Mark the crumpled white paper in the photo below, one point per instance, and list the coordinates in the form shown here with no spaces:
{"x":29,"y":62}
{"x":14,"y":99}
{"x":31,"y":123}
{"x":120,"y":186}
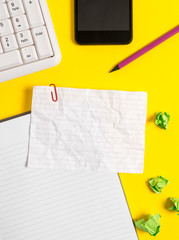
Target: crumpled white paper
{"x":96,"y":130}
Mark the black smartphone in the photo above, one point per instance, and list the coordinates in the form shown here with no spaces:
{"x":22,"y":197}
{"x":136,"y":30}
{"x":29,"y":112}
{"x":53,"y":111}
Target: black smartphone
{"x":103,"y":21}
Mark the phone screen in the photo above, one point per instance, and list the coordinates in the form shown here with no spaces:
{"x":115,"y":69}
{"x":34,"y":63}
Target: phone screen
{"x":103,"y":15}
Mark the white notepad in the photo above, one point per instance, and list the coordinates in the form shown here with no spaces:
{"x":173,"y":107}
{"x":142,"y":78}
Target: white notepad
{"x":52,"y":205}
{"x":96,"y":130}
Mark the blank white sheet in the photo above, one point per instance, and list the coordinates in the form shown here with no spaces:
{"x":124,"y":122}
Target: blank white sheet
{"x":56,"y":205}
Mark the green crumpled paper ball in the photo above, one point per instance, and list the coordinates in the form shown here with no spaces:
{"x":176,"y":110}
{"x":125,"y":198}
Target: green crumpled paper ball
{"x":151,"y":226}
{"x":162,"y":120}
{"x":157,"y":184}
{"x":175,"y":206}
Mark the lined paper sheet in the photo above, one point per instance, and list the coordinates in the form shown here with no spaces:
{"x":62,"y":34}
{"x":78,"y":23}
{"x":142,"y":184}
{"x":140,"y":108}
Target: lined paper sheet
{"x":42,"y":204}
{"x":96,"y":130}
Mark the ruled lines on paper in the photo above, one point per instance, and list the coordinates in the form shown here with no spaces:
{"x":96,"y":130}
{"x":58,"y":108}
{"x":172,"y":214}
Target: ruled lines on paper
{"x":88,"y":130}
{"x":54,"y":204}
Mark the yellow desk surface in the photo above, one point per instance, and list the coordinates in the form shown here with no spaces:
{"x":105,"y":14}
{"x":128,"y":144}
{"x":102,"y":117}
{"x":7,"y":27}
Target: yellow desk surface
{"x":157,"y":73}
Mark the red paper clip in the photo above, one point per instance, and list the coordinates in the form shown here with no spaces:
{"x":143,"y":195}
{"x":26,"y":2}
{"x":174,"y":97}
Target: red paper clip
{"x":56,"y":97}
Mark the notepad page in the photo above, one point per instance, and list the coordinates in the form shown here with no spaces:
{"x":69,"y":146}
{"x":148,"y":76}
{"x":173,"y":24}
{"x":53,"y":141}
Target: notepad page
{"x":42,"y":204}
{"x":93,"y":130}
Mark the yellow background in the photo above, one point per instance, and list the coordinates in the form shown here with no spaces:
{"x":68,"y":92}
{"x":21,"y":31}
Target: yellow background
{"x":157,"y":73}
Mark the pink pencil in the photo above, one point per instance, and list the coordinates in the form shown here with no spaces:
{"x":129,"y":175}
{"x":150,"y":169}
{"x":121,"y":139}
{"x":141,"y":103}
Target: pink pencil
{"x":146,"y":49}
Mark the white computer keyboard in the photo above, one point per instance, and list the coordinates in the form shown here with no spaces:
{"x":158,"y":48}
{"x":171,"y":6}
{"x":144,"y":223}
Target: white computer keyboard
{"x":27,"y":38}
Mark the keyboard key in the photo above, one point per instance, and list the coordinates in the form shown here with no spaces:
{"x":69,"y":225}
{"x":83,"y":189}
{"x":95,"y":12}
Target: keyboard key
{"x":9,"y":43}
{"x":1,"y":51}
{"x":3,"y":1}
{"x":3,"y":12}
{"x":6,"y":27}
{"x":10,"y":59}
{"x":29,"y":54}
{"x":34,"y":13}
{"x":15,"y":8}
{"x":20,"y":23}
{"x":42,"y":42}
{"x":24,"y":38}
{"x":18,"y":47}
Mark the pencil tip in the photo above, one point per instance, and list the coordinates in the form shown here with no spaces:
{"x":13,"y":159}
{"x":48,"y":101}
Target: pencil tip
{"x":115,"y":69}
